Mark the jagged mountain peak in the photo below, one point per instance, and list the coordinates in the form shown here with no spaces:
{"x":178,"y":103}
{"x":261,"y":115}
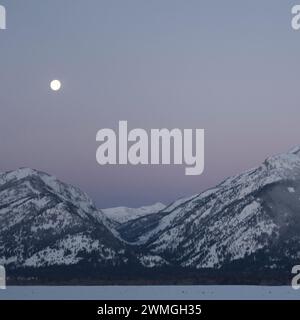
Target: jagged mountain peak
{"x":37,"y":184}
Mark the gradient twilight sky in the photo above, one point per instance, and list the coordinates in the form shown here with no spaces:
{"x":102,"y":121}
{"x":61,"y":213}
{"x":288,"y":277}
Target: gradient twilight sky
{"x":231,"y":67}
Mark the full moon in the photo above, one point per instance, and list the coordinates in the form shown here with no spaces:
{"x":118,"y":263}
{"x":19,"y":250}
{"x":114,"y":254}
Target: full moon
{"x":55,"y":85}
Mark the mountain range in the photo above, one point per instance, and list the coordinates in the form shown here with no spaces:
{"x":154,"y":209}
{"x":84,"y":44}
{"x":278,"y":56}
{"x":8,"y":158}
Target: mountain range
{"x":248,"y":225}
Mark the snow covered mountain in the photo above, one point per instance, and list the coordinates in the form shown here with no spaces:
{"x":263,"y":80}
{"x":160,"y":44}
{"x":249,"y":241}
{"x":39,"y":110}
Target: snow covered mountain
{"x":252,"y":219}
{"x":122,"y":215}
{"x":249,"y":222}
{"x":45,"y":222}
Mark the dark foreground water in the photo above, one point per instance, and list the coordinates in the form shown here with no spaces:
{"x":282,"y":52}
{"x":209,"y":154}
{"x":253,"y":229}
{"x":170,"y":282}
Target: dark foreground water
{"x":150,"y":293}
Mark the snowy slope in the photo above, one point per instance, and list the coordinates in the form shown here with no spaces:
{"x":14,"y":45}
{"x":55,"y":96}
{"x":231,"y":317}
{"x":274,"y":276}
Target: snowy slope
{"x":254,"y":214}
{"x":122,"y":214}
{"x":45,"y":222}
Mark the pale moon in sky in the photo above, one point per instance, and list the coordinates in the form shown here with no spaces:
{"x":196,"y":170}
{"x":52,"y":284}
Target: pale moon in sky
{"x":55,"y":85}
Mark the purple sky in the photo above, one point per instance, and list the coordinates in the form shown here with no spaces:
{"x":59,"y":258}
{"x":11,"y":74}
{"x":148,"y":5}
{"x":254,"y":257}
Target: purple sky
{"x":229,"y":67}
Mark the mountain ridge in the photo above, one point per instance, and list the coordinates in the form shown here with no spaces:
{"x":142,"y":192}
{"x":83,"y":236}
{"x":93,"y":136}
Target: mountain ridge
{"x":224,"y":210}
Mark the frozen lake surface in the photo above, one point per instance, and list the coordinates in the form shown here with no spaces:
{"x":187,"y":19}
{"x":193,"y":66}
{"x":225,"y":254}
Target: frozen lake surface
{"x":150,"y":293}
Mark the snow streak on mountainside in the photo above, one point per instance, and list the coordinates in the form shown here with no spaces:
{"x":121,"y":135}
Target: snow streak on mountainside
{"x":255,"y":215}
{"x":45,"y":222}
